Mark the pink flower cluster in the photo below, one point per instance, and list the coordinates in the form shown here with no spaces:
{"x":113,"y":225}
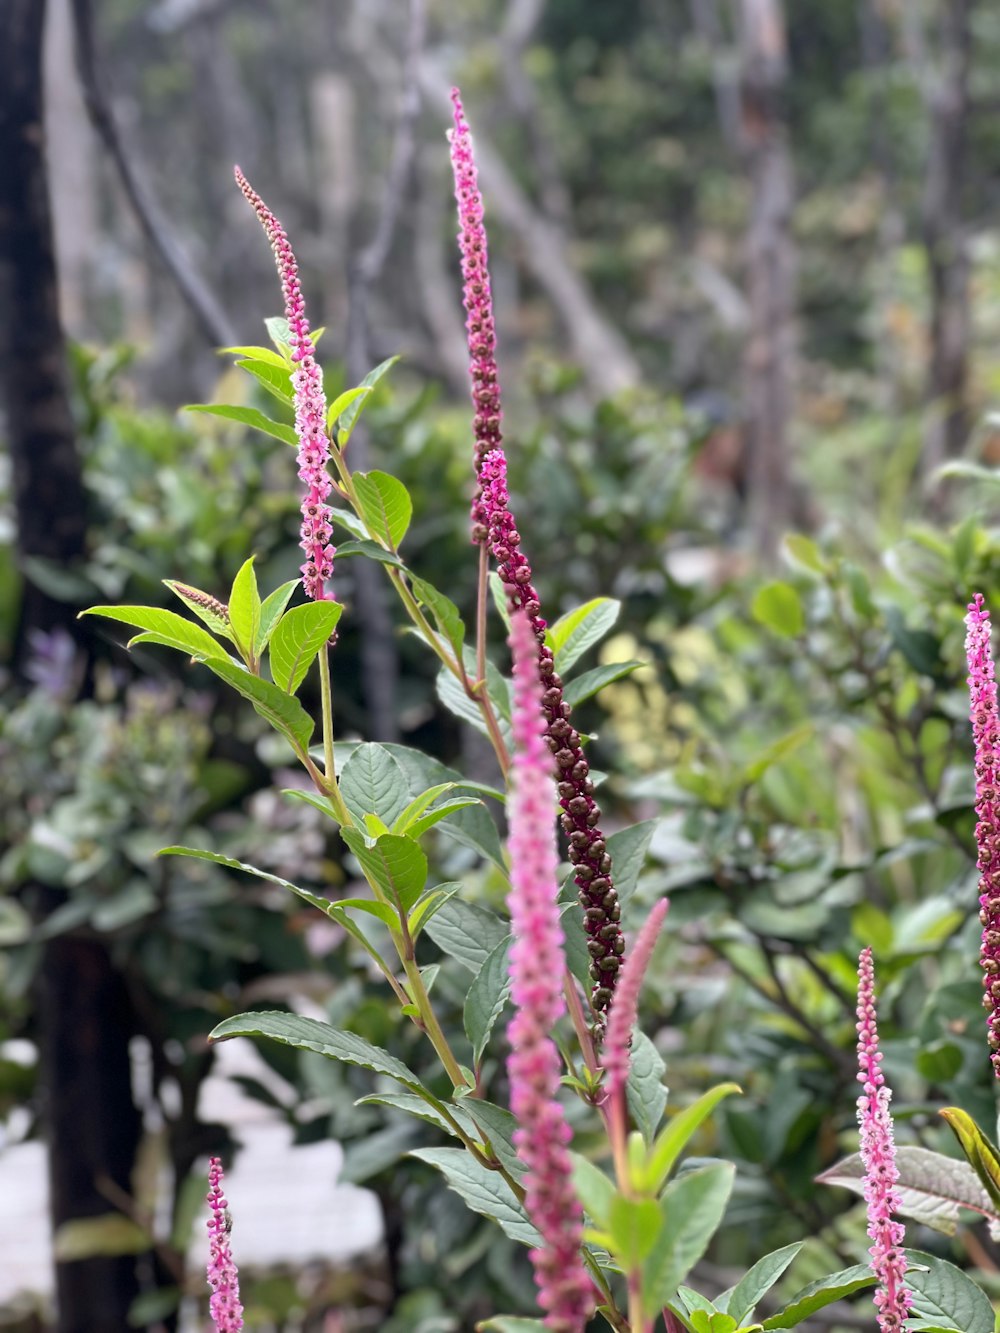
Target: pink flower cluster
{"x":310,"y":408}
{"x":224,"y":1305}
{"x":878,"y":1152}
{"x":478,"y":300}
{"x":986,"y":736}
{"x":537,"y":967}
{"x":616,"y":1054}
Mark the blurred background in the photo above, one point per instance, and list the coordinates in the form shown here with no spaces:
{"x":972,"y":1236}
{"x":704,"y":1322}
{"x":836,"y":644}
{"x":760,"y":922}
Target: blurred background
{"x":746,"y":265}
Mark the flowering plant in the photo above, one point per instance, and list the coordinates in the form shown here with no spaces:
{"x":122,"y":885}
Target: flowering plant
{"x":615,"y":1231}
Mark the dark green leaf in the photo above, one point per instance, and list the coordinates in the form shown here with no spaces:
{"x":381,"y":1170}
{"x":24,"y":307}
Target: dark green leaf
{"x":283,"y":711}
{"x":467,"y":932}
{"x":593,"y":681}
{"x":487,"y":996}
{"x":692,"y":1208}
{"x":297,"y":638}
{"x":824,"y":1291}
{"x":576,"y":631}
{"x":484,"y":1191}
{"x":373,"y":782}
{"x":945,"y":1298}
{"x":497,"y":1125}
{"x":759,"y":1280}
{"x":646,"y":1095}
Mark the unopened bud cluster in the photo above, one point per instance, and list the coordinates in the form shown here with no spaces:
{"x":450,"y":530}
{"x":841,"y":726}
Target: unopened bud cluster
{"x":986,"y":735}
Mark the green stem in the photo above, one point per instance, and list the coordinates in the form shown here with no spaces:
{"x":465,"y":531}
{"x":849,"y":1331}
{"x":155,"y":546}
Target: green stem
{"x":327,"y":781}
{"x":484,"y":574}
{"x":432,"y":1027}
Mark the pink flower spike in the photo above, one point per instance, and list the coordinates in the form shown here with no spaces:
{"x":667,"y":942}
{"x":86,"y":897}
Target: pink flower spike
{"x":625,"y":1006}
{"x":537,"y":967}
{"x":310,"y":408}
{"x":986,"y":736}
{"x":478,"y":300}
{"x":878,"y":1152}
{"x":224,"y":1305}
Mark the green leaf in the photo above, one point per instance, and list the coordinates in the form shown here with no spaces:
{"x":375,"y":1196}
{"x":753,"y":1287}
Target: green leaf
{"x":467,"y":932}
{"x":776,"y":751}
{"x":431,"y":901}
{"x":824,"y":1291}
{"x":257,"y":354}
{"x":487,"y":996}
{"x":320,"y":803}
{"x":497,"y":1126}
{"x":715,"y":1322}
{"x":281,"y":710}
{"x":372,"y":550}
{"x":691,"y":1208}
{"x":418,"y":805}
{"x":804,"y":551}
{"x":578,"y":958}
{"x":778,"y":607}
{"x":217,"y":623}
{"x":627,"y":849}
{"x":443,"y":811}
{"x":446,"y":615}
{"x":482,"y":1190}
{"x":963,"y":467}
{"x":452,"y":694}
{"x":244,"y":607}
{"x":341,"y":403}
{"x":674,"y":1137}
{"x":644,"y":1090}
{"x":593,"y":681}
{"x":576,"y":631}
{"x":276,"y":380}
{"x":759,"y":1280}
{"x":507,"y":1323}
{"x":381,"y":911}
{"x":218,"y":859}
{"x":168,"y":626}
{"x":280,"y":333}
{"x":633,"y":1228}
{"x":500,"y":598}
{"x":411,"y":1104}
{"x":385,"y":505}
{"x":348,"y":519}
{"x":932,"y":1188}
{"x":595,"y":1190}
{"x":108,"y":1235}
{"x":945,"y":1298}
{"x":271,"y":611}
{"x":373,"y":782}
{"x":248,"y":416}
{"x":309,"y":1034}
{"x":296,"y":640}
{"x":980,"y":1152}
{"x":395,"y":867}
{"x":349,"y":417}
{"x":473,"y":827}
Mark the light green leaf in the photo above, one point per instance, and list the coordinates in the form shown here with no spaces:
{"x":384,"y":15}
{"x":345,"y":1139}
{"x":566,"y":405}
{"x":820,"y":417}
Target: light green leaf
{"x":576,"y":631}
{"x":297,"y":638}
{"x":373,"y":782}
{"x":446,"y":615}
{"x":342,"y":402}
{"x":443,"y":811}
{"x":981,"y":1153}
{"x":381,"y":911}
{"x":824,"y":1291}
{"x":646,"y":1095}
{"x":281,"y":710}
{"x":778,"y":606}
{"x":627,"y":849}
{"x":277,"y":381}
{"x":218,"y":624}
{"x":168,"y":626}
{"x":280,"y":333}
{"x":271,"y":611}
{"x":244,"y":607}
{"x":267,"y":354}
{"x":218,"y":859}
{"x":508,"y":1323}
{"x":804,"y":551}
{"x":487,"y":996}
{"x":945,"y":1300}
{"x":633,"y":1228}
{"x":349,"y":417}
{"x":473,"y":827}
{"x":759,"y":1280}
{"x":482,"y":1190}
{"x":674,"y":1137}
{"x":467,"y":932}
{"x":965,"y":468}
{"x":372,"y":550}
{"x":418,"y":805}
{"x":595,"y":1190}
{"x":430,"y":901}
{"x":385,"y":505}
{"x":691,"y":1208}
{"x":320,"y":803}
{"x":500,"y":598}
{"x":395,"y":867}
{"x":348,"y":519}
{"x":108,"y":1235}
{"x":593,"y":681}
{"x":248,"y":416}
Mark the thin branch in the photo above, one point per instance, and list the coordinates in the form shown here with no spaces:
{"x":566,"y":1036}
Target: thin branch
{"x":208,"y":312}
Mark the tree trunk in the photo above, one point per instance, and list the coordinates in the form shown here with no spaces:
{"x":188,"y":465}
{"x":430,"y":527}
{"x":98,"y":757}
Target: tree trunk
{"x":90,"y":1120}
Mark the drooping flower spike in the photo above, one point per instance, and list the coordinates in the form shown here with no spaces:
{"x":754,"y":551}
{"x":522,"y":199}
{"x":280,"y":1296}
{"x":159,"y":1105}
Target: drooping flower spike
{"x":986,"y":736}
{"x":878,"y":1152}
{"x":478,"y":300}
{"x":537,"y":967}
{"x":581,"y":818}
{"x":310,"y":408}
{"x":616,"y":1054}
{"x":224,"y":1304}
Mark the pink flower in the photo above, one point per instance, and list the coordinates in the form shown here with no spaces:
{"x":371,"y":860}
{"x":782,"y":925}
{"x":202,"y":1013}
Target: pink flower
{"x":878,"y":1152}
{"x":986,"y":735}
{"x":581,"y":816}
{"x":625,"y":1007}
{"x":310,"y":408}
{"x":537,"y":967}
{"x":224,"y":1305}
{"x":478,"y":300}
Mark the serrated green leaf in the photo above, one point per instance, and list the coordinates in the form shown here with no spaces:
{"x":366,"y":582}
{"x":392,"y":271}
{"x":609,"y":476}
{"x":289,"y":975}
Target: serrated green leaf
{"x":271,"y":610}
{"x":592,"y":682}
{"x":484,"y":1191}
{"x":385,"y":505}
{"x":759,"y":1280}
{"x":349,"y":417}
{"x":373,"y":782}
{"x":646,"y":1095}
{"x":487,"y":996}
{"x":691,"y":1209}
{"x":824,"y":1291}
{"x":217,"y":858}
{"x":276,"y":380}
{"x":395,"y":867}
{"x":674,"y":1137}
{"x":446,"y":614}
{"x":296,"y":640}
{"x":945,"y":1298}
{"x":244,"y":607}
{"x":183,"y":634}
{"x":467,"y":932}
{"x":578,"y":630}
{"x":247,"y":416}
{"x":342,"y":402}
{"x":217,"y":623}
{"x":283,"y":711}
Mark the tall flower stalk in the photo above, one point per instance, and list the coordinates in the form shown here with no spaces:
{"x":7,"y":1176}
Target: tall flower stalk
{"x":310,"y":408}
{"x":986,"y":736}
{"x":878,"y":1152}
{"x":224,"y":1304}
{"x":537,"y":965}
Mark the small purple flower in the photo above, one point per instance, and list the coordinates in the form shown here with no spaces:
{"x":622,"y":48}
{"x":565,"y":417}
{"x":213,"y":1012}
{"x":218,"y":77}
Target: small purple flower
{"x":224,"y":1305}
{"x":537,"y":967}
{"x":581,"y":816}
{"x":616,"y":1054}
{"x":986,"y":735}
{"x":478,"y":300}
{"x":878,"y":1152}
{"x":310,"y":408}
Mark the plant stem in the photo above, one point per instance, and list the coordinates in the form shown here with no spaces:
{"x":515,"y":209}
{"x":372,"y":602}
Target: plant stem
{"x":484,"y":574}
{"x":432,"y":1027}
{"x":328,"y":785}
